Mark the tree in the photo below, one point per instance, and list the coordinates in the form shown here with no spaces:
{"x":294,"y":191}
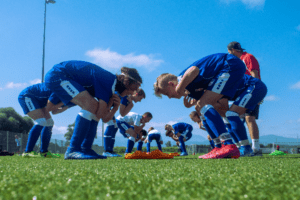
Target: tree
{"x":10,"y":120}
{"x":68,"y":135}
{"x":168,"y":144}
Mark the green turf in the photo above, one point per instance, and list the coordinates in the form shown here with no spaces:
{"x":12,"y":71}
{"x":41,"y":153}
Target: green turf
{"x":266,"y":177}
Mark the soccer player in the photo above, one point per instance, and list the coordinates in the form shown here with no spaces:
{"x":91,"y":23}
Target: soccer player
{"x":253,"y":70}
{"x":68,"y":81}
{"x":218,"y":75}
{"x":182,"y":131}
{"x":37,"y":101}
{"x":112,"y":128}
{"x":251,"y":91}
{"x":153,"y":134}
{"x":130,"y":125}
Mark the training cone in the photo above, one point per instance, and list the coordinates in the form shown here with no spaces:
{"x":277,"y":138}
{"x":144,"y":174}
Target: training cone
{"x":277,"y":153}
{"x":157,"y":154}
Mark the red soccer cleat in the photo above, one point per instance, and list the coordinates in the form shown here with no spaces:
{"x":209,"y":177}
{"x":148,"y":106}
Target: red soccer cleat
{"x":227,"y":151}
{"x":211,"y":152}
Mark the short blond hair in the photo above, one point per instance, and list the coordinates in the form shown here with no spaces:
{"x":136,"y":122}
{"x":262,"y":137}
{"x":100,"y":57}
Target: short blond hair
{"x":193,"y":114}
{"x":162,"y":82}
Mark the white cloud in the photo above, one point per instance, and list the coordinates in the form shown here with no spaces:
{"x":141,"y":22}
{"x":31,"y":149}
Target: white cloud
{"x":111,"y":59}
{"x":12,"y":85}
{"x":296,"y":85}
{"x":35,"y":81}
{"x":249,"y":3}
{"x":271,"y":98}
{"x":298,"y":28}
{"x":60,"y":129}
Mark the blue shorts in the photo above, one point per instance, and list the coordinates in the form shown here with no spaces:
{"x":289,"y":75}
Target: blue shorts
{"x":156,"y":137}
{"x":30,"y":102}
{"x":123,"y":127}
{"x":62,"y":85}
{"x":251,"y":96}
{"x":225,"y":82}
{"x":187,"y":134}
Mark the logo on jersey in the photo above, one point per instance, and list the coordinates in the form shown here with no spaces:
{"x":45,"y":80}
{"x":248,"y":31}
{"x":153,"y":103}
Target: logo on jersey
{"x":221,"y":82}
{"x":29,"y":104}
{"x":69,"y":88}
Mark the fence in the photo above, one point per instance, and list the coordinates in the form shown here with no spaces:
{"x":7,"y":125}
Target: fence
{"x":194,"y":148}
{"x":8,"y":143}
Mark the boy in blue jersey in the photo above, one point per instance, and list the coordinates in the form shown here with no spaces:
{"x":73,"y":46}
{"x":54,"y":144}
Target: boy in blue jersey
{"x":153,"y":134}
{"x":182,"y":131}
{"x":218,"y":75}
{"x":251,"y":91}
{"x":112,"y":128}
{"x":37,"y":101}
{"x":132,"y":124}
{"x":68,"y":80}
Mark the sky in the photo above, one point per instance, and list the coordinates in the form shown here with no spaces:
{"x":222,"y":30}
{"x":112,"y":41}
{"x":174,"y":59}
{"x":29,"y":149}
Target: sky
{"x":154,"y":37}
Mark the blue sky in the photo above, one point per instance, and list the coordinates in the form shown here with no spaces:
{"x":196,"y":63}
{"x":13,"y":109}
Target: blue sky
{"x":154,"y":37}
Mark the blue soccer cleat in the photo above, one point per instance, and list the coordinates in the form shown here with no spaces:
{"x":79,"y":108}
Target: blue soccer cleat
{"x":184,"y":154}
{"x":72,"y":154}
{"x":115,"y":154}
{"x":246,"y":151}
{"x":92,"y":152}
{"x":107,"y":154}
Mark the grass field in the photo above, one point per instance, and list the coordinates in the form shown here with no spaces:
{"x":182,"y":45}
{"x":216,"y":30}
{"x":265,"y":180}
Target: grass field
{"x":185,"y":178}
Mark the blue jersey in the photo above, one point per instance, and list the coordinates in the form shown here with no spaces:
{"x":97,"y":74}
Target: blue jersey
{"x":209,"y":67}
{"x":124,"y":101}
{"x":246,"y":82}
{"x":181,"y":127}
{"x":96,"y":80}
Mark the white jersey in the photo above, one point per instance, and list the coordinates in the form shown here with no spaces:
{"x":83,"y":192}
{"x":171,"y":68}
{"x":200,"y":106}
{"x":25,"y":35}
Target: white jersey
{"x":131,"y":118}
{"x":155,"y":132}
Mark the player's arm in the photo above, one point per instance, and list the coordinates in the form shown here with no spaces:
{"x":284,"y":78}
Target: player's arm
{"x":187,"y":78}
{"x":189,"y":102}
{"x":104,"y":112}
{"x":59,"y":110}
{"x":52,"y":107}
{"x":124,"y":110}
{"x":254,"y":73}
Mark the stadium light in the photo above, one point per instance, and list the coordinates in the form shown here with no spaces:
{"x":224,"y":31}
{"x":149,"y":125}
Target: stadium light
{"x":43,"y":66}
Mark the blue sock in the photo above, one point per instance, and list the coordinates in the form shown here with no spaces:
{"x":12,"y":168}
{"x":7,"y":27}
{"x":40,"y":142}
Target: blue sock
{"x":107,"y":138}
{"x":159,"y":145}
{"x":148,"y":147}
{"x":237,"y":125}
{"x":228,"y":126}
{"x":214,"y":120}
{"x":210,"y":132}
{"x":130,"y":144}
{"x":82,"y":124}
{"x":113,"y":136}
{"x":33,"y":137}
{"x":182,"y":144}
{"x":90,"y":136}
{"x":140,"y":146}
{"x":212,"y":144}
{"x":45,"y":138}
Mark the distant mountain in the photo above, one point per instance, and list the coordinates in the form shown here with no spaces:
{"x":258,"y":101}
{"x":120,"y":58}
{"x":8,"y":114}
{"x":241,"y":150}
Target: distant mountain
{"x":266,"y":139}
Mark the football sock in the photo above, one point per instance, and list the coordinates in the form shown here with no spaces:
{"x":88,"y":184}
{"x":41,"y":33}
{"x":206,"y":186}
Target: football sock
{"x":33,"y":137}
{"x":228,"y":127}
{"x":182,"y":144}
{"x":91,"y":134}
{"x":237,"y":126}
{"x":113,"y":136}
{"x":148,"y":146}
{"x":255,"y":144}
{"x":130,"y":144}
{"x":139,"y":146}
{"x":82,"y":124}
{"x":212,"y":144}
{"x":107,"y":138}
{"x":159,"y":145}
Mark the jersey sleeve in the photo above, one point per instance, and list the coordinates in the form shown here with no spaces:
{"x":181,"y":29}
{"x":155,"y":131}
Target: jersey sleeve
{"x":124,"y":101}
{"x":137,"y":120}
{"x":175,"y":127}
{"x":251,"y":63}
{"x":54,"y":99}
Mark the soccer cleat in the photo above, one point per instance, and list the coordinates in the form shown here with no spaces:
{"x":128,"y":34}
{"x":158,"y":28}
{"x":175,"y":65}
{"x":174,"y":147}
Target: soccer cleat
{"x":115,"y":154}
{"x":184,"y":154}
{"x":257,"y":152}
{"x":31,"y":154}
{"x":211,"y":152}
{"x":92,"y":153}
{"x":246,"y":151}
{"x":72,"y":154}
{"x":45,"y":154}
{"x":107,"y":154}
{"x":226,"y":151}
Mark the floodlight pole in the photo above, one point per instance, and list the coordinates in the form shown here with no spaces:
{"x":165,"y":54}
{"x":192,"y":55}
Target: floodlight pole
{"x":43,"y":65}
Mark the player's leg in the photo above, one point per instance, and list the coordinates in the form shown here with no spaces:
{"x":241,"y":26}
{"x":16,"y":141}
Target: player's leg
{"x":46,"y":133}
{"x":250,"y":119}
{"x":158,"y":140}
{"x":150,"y":138}
{"x":68,"y":90}
{"x":140,"y":146}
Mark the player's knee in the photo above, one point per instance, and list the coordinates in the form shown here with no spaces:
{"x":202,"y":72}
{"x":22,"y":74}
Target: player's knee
{"x":205,"y":108}
{"x":41,"y":122}
{"x":232,"y":114}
